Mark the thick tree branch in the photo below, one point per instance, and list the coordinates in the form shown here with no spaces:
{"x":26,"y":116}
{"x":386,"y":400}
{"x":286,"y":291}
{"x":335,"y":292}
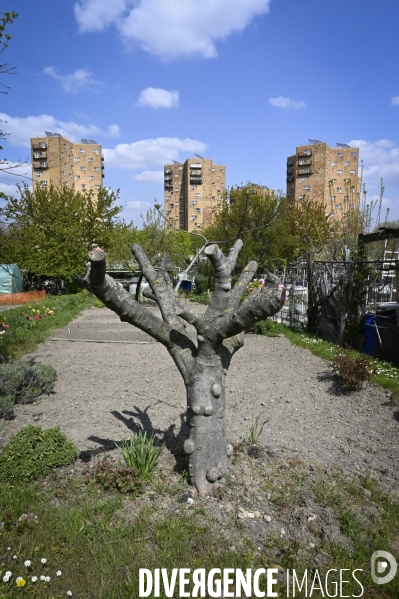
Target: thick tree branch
{"x":114,"y":296}
{"x":223,"y":267}
{"x":162,"y":291}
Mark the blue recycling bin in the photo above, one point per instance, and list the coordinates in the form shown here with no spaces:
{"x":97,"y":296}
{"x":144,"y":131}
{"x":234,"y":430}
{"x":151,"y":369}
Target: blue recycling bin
{"x":370,"y":344}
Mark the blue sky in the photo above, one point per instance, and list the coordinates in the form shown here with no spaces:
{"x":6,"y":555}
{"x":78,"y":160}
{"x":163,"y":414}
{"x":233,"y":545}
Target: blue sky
{"x":240,"y":81}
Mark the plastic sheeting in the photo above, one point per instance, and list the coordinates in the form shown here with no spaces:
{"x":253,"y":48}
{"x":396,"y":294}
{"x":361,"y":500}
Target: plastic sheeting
{"x":10,"y":278}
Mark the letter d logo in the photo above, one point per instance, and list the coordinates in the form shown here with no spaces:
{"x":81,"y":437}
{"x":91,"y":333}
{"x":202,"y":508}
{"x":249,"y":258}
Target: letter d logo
{"x":382,"y":566}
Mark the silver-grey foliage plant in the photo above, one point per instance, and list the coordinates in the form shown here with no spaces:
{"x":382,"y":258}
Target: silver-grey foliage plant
{"x":203,"y":365}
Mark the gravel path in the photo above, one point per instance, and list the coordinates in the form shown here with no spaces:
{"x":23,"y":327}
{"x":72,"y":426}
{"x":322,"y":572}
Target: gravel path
{"x":106,"y":388}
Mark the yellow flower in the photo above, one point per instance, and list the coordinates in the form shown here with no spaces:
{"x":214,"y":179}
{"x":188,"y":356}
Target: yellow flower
{"x":20,"y":582}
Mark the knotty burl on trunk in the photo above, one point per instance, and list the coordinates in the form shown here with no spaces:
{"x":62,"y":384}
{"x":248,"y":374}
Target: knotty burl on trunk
{"x":220,"y":333}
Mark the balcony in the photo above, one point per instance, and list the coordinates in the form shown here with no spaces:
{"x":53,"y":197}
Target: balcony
{"x":168,"y":171}
{"x":40,"y":165}
{"x":195,"y":165}
{"x":38,"y":155}
{"x":290,"y":162}
{"x":195,"y":181}
{"x":305,"y":171}
{"x":305,"y":153}
{"x":40,"y":146}
{"x":168,"y":178}
{"x":102,"y":158}
{"x":289,"y":171}
{"x":168,"y":185}
{"x":304,"y":162}
{"x":289,"y":179}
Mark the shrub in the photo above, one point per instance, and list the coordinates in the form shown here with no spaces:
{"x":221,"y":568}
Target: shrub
{"x":354,"y":371}
{"x":267,"y":327}
{"x":141,"y":454}
{"x":33,"y":452}
{"x":201,"y":284}
{"x":114,"y":477}
{"x":21,"y":382}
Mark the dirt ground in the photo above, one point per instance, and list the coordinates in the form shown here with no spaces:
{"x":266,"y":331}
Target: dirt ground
{"x":112,"y":379}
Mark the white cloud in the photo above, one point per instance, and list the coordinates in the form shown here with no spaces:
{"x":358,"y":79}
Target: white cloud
{"x":156,"y":176}
{"x":113,"y":131}
{"x":23,"y":128}
{"x":167,"y":28}
{"x":137,"y":204}
{"x":380,"y":160}
{"x":156,"y":97}
{"x":395,"y":101}
{"x":150,"y":152}
{"x":79,"y":80}
{"x":287,"y":103}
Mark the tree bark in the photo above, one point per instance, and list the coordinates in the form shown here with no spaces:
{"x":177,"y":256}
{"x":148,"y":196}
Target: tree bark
{"x":203,"y":366}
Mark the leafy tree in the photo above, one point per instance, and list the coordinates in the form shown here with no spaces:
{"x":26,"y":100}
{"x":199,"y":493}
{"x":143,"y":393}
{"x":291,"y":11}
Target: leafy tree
{"x":154,"y":239}
{"x":50,"y":231}
{"x":257,"y":216}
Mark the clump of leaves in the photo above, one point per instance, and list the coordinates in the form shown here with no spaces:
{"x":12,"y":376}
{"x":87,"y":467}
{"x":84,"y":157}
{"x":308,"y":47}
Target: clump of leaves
{"x":34,"y":452}
{"x":255,"y":429}
{"x":142,"y":454}
{"x":354,"y":371}
{"x":268,"y":327}
{"x":115,"y":477}
{"x":21,"y":382}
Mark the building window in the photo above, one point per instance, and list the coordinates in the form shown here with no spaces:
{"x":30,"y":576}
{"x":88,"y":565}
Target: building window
{"x":91,"y":177}
{"x":218,"y":177}
{"x":95,"y":151}
{"x":44,"y":183}
{"x":353,"y":154}
{"x":213,"y":183}
{"x":76,"y":159}
{"x":90,"y":159}
{"x":306,"y":187}
{"x":39,"y":173}
{"x":347,"y":180}
{"x":167,"y":198}
{"x":82,"y":151}
{"x":213,"y":170}
{"x":77,"y":177}
{"x":97,"y":168}
{"x":333,"y":197}
{"x":334,"y":180}
{"x":301,"y":179}
{"x":300,"y":197}
{"x":339,"y":172}
{"x":339,"y":206}
{"x":62,"y":154}
{"x":97,"y":186}
{"x":340,"y":154}
{"x":193,"y":202}
{"x":194,"y":217}
{"x":351,"y":206}
{"x":352,"y":172}
{"x":197,"y":195}
{"x":334,"y":163}
{"x":346,"y":198}
{"x":62,"y":174}
{"x":222,"y":185}
{"x":198,"y":209}
{"x":339,"y":189}
{"x":83,"y":186}
{"x":82,"y":168}
{"x":176,"y":176}
{"x":222,"y":170}
{"x":347,"y":162}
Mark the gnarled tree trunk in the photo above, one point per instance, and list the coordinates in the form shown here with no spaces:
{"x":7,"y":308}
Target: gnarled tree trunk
{"x":220,"y":333}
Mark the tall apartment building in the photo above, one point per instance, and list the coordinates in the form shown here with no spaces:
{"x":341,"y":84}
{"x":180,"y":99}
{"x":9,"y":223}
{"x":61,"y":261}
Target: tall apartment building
{"x":59,"y":162}
{"x":193,"y":193}
{"x":330,"y":175}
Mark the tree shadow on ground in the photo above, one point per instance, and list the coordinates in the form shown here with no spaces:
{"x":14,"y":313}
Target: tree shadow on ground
{"x":139,"y":420}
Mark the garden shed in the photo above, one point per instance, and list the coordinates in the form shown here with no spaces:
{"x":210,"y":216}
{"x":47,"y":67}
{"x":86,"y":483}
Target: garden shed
{"x":10,"y":278}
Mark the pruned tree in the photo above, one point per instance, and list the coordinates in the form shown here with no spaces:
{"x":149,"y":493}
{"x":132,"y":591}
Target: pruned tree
{"x":202,"y":365}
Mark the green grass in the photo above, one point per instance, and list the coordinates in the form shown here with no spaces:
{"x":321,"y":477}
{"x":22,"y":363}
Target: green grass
{"x":387,"y":375}
{"x":22,"y":335}
{"x":99,"y":540}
